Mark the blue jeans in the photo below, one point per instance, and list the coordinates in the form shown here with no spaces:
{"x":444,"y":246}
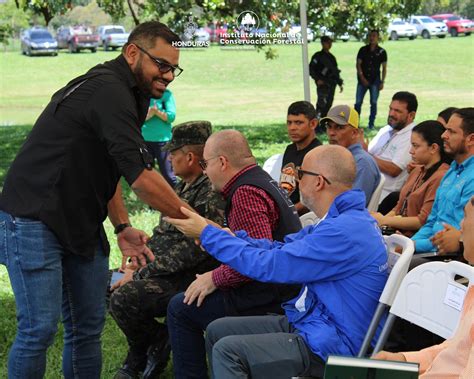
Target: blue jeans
{"x":46,"y":282}
{"x":186,"y":325}
{"x":155,"y":148}
{"x":374,"y":96}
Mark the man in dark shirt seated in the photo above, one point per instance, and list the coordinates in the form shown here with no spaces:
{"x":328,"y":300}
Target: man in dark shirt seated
{"x":341,"y":263}
{"x":255,"y":204}
{"x":301,"y":123}
{"x":143,"y":294}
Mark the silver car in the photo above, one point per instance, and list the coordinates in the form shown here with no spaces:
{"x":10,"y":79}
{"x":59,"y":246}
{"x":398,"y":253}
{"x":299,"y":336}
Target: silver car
{"x":427,"y":27}
{"x":399,"y":28}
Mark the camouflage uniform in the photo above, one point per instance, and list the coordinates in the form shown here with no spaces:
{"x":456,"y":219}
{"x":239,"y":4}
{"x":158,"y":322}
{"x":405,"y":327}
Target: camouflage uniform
{"x":135,"y":305}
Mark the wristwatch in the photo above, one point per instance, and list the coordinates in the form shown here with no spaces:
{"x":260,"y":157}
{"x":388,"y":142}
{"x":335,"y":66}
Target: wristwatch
{"x":120,"y":227}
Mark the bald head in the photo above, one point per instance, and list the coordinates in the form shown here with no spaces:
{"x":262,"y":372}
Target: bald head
{"x":334,"y":162}
{"x":233,"y":145}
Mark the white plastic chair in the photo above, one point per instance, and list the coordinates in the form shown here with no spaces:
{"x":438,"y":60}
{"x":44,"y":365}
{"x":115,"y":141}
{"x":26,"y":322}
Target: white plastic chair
{"x":423,"y":299}
{"x":398,"y":265}
{"x":375,"y":199}
{"x":273,"y":166}
{"x":309,"y":218}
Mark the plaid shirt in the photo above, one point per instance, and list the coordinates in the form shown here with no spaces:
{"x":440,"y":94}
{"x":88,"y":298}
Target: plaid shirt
{"x":252,"y":210}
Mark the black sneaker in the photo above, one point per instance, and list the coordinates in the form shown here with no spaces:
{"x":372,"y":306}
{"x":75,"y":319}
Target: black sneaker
{"x":158,"y":356}
{"x":132,"y":367}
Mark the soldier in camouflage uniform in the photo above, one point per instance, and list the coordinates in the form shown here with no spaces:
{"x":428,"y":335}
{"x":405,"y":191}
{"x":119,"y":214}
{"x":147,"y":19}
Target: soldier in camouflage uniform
{"x":144,"y":294}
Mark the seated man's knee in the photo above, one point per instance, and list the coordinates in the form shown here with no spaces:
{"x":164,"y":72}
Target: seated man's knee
{"x":226,"y":347}
{"x":124,"y":298}
{"x":176,"y":305}
{"x":216,"y":330}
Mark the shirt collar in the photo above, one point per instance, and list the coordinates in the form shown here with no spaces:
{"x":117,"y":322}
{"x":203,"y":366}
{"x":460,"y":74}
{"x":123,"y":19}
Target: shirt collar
{"x":120,"y":65}
{"x":459,"y":167}
{"x":226,"y":189}
{"x":355,"y":146}
{"x":406,"y":129}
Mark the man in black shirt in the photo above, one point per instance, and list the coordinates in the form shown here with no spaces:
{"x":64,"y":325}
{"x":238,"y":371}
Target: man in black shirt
{"x":323,"y":69}
{"x":369,"y":60}
{"x":301,"y":123}
{"x":60,"y":188}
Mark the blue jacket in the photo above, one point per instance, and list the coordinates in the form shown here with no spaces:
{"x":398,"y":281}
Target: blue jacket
{"x":341,"y":262}
{"x":454,"y":191}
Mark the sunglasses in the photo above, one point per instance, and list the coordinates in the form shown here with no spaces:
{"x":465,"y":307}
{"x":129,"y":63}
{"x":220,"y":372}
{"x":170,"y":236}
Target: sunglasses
{"x":300,"y":173}
{"x":203,"y":162}
{"x":164,"y":67}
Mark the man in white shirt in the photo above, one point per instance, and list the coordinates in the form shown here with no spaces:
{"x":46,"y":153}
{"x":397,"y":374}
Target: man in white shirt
{"x":390,"y":147}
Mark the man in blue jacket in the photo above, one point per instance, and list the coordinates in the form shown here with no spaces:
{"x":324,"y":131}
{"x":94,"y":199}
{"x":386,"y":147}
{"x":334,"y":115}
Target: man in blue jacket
{"x":341,"y":263}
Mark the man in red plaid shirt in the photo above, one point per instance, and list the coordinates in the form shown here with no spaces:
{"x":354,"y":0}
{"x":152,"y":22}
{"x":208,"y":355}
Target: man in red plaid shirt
{"x":256,"y":204}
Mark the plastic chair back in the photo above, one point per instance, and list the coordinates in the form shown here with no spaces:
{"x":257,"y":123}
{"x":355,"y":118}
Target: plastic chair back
{"x":430,"y":297}
{"x":375,"y":199}
{"x":309,"y":218}
{"x":273,"y":166}
{"x":398,"y":265}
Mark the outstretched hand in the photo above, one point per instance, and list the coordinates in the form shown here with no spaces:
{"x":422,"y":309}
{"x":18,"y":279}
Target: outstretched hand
{"x":192,"y":226}
{"x":132,"y":244}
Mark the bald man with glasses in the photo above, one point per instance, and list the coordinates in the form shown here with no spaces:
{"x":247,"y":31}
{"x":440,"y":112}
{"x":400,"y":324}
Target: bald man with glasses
{"x":340,"y":263}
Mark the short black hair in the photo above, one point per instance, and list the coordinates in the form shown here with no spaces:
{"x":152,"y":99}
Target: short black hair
{"x":408,"y":98}
{"x":302,"y":107}
{"x":445,"y":114}
{"x":375,"y":31}
{"x":326,"y":39}
{"x":467,"y":116}
{"x":145,"y":34}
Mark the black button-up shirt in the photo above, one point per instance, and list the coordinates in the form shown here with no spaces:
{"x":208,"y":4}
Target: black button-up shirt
{"x":371,"y":62}
{"x":87,"y":137}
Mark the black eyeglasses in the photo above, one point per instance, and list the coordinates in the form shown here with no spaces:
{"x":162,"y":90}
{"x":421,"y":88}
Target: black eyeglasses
{"x":203,"y":162}
{"x":164,"y":67}
{"x":301,"y":172}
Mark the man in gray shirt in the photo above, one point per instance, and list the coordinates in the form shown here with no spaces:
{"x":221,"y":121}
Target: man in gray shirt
{"x":342,"y":126}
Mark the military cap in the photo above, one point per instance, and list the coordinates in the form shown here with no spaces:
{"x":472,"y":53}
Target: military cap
{"x":189,"y":133}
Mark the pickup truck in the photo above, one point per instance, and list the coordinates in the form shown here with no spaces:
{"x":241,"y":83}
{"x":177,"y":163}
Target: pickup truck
{"x":112,"y":36}
{"x":455,"y":24}
{"x":77,"y":38}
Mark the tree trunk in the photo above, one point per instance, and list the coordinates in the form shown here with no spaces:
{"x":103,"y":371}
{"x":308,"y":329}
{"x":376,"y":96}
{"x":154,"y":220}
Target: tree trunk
{"x":45,"y":11}
{"x":132,"y":11}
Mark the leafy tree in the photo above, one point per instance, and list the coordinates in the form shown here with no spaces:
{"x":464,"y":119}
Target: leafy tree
{"x":12,"y":20}
{"x":89,"y":14}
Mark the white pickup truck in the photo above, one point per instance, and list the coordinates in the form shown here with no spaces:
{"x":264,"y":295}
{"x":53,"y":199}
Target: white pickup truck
{"x":112,"y":36}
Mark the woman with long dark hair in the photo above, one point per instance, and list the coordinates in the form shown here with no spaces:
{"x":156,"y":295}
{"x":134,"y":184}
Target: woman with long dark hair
{"x":418,"y":193}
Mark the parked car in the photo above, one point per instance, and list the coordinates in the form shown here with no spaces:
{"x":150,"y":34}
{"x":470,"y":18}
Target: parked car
{"x":323,"y":31}
{"x":428,"y":27}
{"x":77,"y":38}
{"x":399,"y":28}
{"x":112,"y":36}
{"x":38,"y":41}
{"x":455,"y":24}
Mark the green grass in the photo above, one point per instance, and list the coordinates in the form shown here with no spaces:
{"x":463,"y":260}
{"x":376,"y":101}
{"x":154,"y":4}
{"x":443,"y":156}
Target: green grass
{"x":233,"y":89}
{"x":241,"y":87}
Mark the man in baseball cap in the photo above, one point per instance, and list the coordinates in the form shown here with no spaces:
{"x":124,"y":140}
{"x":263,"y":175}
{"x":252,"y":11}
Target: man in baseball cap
{"x":342,"y":128}
{"x":142,"y":295}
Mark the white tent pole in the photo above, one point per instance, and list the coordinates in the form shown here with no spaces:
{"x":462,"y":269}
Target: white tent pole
{"x":304,"y":46}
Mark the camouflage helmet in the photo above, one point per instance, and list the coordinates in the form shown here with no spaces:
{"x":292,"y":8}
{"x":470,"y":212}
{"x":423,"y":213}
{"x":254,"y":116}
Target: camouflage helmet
{"x":189,"y":133}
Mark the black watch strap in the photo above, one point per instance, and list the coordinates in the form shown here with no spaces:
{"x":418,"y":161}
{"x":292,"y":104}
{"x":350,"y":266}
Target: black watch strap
{"x":120,"y":227}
